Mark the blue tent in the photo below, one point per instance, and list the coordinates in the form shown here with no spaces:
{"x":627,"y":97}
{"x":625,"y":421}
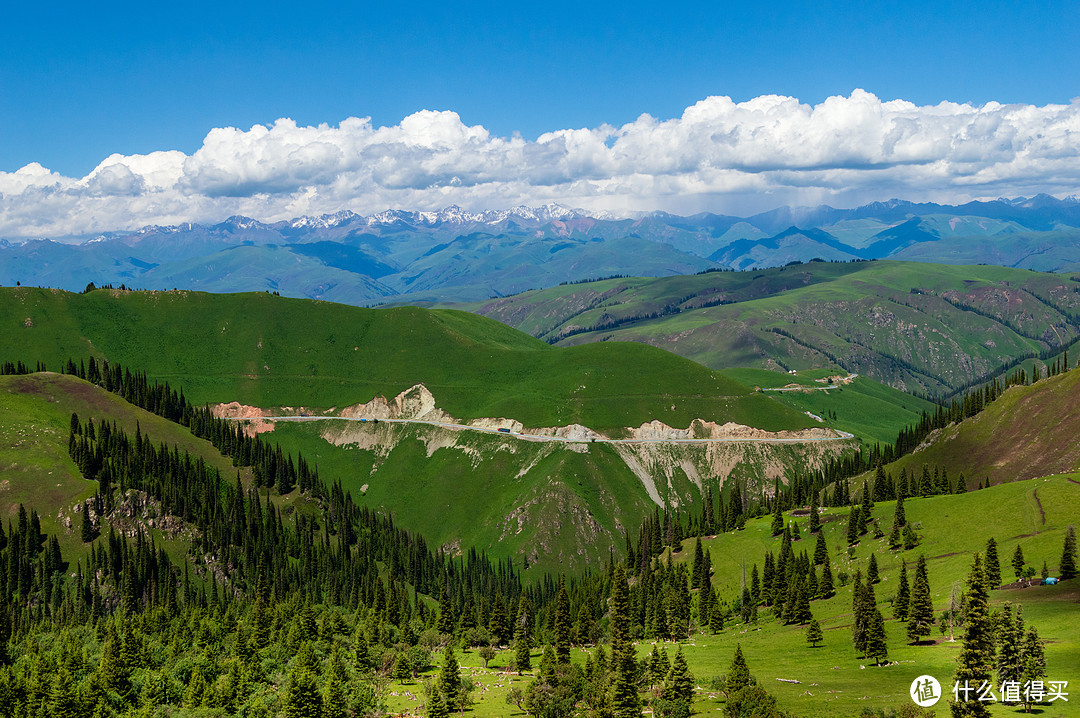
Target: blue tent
{"x":1049,"y":581}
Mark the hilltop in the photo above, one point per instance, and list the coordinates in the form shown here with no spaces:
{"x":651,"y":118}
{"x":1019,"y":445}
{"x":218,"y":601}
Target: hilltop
{"x":271,"y":351}
{"x":921,"y":328}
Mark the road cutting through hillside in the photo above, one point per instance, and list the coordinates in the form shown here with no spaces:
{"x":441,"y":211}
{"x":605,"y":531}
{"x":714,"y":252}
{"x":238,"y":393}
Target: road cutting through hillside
{"x":562,"y":439}
{"x":843,"y":380}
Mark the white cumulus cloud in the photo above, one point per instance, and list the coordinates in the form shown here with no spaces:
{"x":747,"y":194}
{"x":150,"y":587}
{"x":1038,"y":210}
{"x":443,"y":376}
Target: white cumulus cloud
{"x":718,"y":155}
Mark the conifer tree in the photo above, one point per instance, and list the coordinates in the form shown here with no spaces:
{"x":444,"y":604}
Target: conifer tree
{"x":87,"y":531}
{"x":699,"y":560}
{"x":815,"y":517}
{"x":1033,"y":660}
{"x":903,"y":594}
{"x":860,"y":609}
{"x":562,"y":623}
{"x":910,"y":539}
{"x":814,"y":634}
{"x":1068,"y":555}
{"x":499,"y":624}
{"x":895,"y":540}
{"x":1009,"y":638}
{"x":876,"y":646}
{"x":402,"y":671}
{"x":821,"y":551}
{"x":679,"y":685}
{"x":1018,"y":562}
{"x":63,"y":698}
{"x":716,"y":620}
{"x":449,"y":680}
{"x":778,"y":517}
{"x":853,"y":526}
{"x":920,"y":617}
{"x":825,"y":585}
{"x":625,"y":701}
{"x":522,"y":637}
{"x":335,"y":698}
{"x":436,"y":707}
{"x":872,"y":570}
{"x":114,"y":667}
{"x":974,"y":665}
{"x":302,"y":698}
{"x":738,"y":675}
{"x":993,"y":567}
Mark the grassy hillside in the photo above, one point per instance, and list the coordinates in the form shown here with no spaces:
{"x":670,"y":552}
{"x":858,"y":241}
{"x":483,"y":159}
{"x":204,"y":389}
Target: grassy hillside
{"x":834,"y":682}
{"x":549,"y":506}
{"x":917,"y":327}
{"x":1029,"y":431}
{"x":271,"y":351}
{"x":35,"y":469}
{"x":870,"y":410}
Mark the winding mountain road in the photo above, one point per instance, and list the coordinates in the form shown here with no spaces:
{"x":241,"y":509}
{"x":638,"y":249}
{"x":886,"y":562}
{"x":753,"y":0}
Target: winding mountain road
{"x":563,"y":439}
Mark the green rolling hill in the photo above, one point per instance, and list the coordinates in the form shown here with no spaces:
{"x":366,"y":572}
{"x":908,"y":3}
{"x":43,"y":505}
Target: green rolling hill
{"x":1029,"y":431}
{"x":551,"y":505}
{"x":270,"y":351}
{"x":921,"y":328}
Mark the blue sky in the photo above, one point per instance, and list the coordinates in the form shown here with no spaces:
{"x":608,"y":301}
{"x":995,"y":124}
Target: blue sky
{"x":82,"y":82}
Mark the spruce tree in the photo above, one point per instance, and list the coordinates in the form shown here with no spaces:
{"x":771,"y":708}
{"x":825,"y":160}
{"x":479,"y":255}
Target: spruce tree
{"x":815,"y":517}
{"x":993,"y":567}
{"x":335,"y":697}
{"x":1009,"y":638}
{"x":699,"y":561}
{"x":910,"y":539}
{"x":679,"y":685}
{"x":1032,"y":659}
{"x":1068,"y":555}
{"x":738,"y":675}
{"x":872,"y":570}
{"x":1018,"y":562}
{"x":853,"y":526}
{"x":821,"y":551}
{"x":974,"y":665}
{"x":402,"y":672}
{"x":777,"y":518}
{"x":449,"y":680}
{"x":825,"y":585}
{"x":876,"y":646}
{"x":903,"y":595}
{"x":436,"y":707}
{"x":860,"y":610}
{"x":562,"y":623}
{"x":920,"y":617}
{"x":302,"y":698}
{"x":625,"y":701}
{"x":87,"y":531}
{"x":814,"y":634}
{"x":499,"y":624}
{"x":522,"y":637}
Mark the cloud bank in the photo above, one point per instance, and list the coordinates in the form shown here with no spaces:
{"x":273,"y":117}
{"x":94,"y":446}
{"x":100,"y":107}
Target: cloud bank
{"x":719,"y":155}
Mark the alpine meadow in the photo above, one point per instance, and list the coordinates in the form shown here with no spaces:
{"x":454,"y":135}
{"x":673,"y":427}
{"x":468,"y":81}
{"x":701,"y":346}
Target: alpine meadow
{"x":539,"y":361}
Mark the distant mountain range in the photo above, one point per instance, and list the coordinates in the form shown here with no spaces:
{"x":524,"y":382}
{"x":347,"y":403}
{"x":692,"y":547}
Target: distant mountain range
{"x":456,"y":255}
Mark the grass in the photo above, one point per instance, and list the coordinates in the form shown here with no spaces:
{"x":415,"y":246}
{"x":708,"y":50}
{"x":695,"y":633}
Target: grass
{"x":271,"y":351}
{"x":35,"y":416}
{"x":869,"y":409}
{"x":1029,"y":431}
{"x":834,"y":680}
{"x":902,"y":323}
